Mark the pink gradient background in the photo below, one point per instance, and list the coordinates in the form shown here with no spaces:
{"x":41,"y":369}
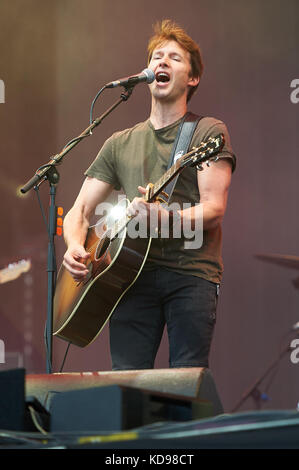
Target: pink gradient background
{"x":54,"y":57}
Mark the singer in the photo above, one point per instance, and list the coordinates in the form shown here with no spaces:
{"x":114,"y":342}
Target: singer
{"x":178,"y":286}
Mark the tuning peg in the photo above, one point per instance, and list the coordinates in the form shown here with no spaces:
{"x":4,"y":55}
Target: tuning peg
{"x":199,"y":167}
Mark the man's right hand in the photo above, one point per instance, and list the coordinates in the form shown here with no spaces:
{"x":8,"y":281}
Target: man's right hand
{"x":74,"y":260}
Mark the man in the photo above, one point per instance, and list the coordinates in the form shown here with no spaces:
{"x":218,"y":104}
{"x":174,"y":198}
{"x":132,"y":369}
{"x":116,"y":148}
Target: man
{"x":177,"y":286}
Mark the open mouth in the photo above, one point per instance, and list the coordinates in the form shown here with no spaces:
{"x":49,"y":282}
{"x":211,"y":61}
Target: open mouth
{"x":162,"y":77}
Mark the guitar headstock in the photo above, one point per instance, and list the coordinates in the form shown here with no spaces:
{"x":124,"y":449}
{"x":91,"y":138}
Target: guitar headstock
{"x":14,"y":270}
{"x":206,"y":152}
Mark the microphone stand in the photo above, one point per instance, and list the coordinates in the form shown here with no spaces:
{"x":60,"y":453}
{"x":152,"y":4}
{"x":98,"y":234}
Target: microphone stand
{"x":254,"y":390}
{"x":48,"y":172}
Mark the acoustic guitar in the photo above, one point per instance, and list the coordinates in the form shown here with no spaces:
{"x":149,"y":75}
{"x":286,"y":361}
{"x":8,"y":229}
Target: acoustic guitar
{"x":81,"y":309}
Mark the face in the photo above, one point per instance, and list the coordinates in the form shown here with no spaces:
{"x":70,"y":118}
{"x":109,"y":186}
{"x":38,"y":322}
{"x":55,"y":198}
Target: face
{"x":172,"y":68}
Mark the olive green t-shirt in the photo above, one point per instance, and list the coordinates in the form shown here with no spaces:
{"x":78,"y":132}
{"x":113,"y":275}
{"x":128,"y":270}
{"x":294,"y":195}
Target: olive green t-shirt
{"x":140,"y":155}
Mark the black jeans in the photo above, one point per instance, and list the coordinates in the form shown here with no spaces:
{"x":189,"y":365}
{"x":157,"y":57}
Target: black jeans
{"x":186,"y":304}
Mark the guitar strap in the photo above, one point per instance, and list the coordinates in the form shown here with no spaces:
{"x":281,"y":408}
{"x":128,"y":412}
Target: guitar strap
{"x":181,"y":146}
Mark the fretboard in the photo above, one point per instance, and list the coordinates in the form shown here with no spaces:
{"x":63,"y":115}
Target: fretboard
{"x":165,"y":179}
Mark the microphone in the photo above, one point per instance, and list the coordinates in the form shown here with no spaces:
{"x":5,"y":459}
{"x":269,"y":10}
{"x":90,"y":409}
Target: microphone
{"x":147,"y":75}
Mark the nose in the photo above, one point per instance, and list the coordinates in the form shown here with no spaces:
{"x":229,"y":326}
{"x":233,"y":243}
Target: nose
{"x":164,"y":62}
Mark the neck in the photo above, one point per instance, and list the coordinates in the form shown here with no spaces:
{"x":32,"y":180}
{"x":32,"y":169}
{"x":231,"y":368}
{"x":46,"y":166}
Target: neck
{"x":165,"y":113}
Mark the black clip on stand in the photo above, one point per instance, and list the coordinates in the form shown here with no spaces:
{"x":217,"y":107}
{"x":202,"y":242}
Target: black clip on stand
{"x":49,"y":172}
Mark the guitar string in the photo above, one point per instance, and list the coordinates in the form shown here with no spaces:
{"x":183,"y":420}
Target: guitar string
{"x":160,"y":183}
{"x":171,"y":172}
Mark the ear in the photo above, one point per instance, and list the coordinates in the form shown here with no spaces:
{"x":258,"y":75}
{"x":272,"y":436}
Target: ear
{"x":193,"y":81}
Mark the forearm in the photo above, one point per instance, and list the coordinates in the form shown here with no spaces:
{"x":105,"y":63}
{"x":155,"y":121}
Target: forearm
{"x":75,"y":227}
{"x":206,"y":215}
{"x":170,"y":221}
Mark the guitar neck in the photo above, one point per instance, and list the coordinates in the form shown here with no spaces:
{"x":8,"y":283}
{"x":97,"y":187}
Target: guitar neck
{"x":153,"y":193}
{"x":171,"y":173}
{"x":196,"y":156}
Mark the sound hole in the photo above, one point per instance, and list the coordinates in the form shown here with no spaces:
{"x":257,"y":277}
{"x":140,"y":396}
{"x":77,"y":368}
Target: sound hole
{"x":102,"y":248}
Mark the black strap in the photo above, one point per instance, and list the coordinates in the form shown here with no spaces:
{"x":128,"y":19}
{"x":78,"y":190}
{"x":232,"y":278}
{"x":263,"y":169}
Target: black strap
{"x":181,"y":145}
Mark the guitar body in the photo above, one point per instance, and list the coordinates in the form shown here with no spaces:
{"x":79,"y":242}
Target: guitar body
{"x":81,"y":310}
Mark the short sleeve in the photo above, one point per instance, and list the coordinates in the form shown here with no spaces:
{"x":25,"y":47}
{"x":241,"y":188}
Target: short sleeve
{"x":104,"y":166}
{"x":213,"y":127}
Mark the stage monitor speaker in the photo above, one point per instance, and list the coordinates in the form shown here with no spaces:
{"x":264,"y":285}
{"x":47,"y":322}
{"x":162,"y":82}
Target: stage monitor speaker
{"x":117,"y":408}
{"x":12,"y":399}
{"x":16,"y":413}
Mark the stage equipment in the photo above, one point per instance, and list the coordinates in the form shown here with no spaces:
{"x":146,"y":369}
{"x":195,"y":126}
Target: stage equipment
{"x":16,"y":412}
{"x":48,"y":172}
{"x":288,"y":261}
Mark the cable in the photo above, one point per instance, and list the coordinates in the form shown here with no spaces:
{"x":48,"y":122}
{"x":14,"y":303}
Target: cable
{"x":66,"y":352}
{"x":46,"y":165}
{"x":75,"y":139}
{"x":79,"y":138}
{"x":51,"y":166}
{"x":35,"y":420}
{"x":93,"y":103}
{"x":47,"y":226}
{"x":42,"y":210}
{"x":54,"y":266}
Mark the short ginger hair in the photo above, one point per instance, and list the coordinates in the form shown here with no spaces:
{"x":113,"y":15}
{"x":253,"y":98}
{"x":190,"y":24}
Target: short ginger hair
{"x":168,"y":30}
